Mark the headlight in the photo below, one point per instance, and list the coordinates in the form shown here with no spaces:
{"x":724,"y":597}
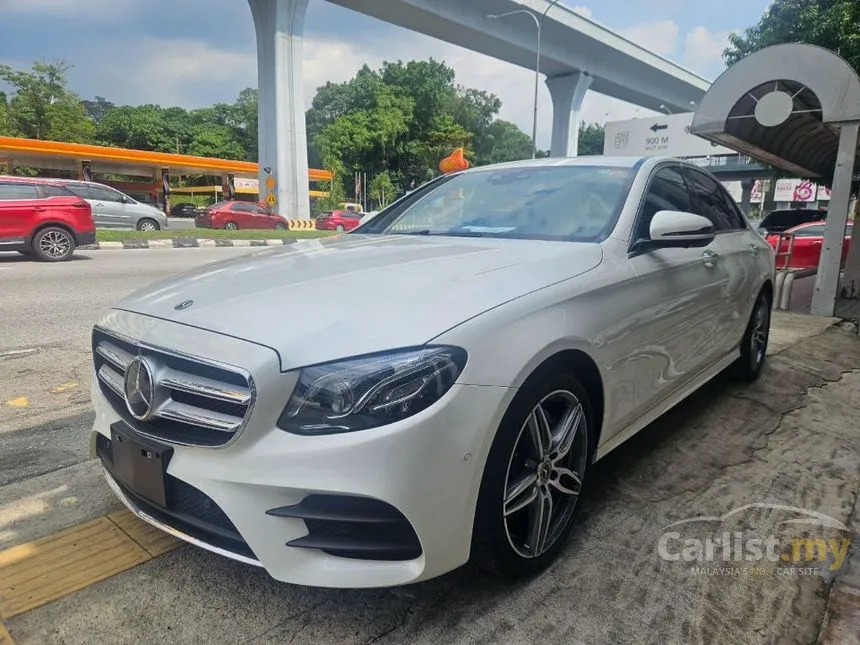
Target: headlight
{"x":361,"y":393}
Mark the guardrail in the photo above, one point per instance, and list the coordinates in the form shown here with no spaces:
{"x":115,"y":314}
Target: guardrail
{"x":785,"y":279}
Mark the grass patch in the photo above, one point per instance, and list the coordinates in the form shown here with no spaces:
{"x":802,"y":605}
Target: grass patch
{"x":207,"y":233}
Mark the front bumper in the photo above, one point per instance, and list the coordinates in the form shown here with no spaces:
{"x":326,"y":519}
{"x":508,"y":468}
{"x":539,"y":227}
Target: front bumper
{"x":427,"y":469}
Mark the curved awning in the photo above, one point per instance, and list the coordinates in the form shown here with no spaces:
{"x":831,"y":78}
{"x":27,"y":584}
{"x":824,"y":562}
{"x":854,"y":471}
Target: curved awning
{"x":783,"y":105}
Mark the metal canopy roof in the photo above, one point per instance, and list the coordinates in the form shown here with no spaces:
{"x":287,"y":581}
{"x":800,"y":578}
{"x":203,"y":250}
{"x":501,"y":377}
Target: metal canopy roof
{"x":783,"y":105}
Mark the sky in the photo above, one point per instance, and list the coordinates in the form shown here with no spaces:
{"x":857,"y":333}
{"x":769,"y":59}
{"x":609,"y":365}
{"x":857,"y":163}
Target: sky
{"x":193,"y":53}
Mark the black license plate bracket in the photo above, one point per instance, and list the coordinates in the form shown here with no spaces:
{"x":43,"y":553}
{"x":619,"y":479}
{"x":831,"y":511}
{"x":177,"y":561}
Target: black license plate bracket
{"x":139,"y":464}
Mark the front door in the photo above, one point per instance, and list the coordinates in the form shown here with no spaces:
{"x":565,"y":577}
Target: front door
{"x":679,"y":295}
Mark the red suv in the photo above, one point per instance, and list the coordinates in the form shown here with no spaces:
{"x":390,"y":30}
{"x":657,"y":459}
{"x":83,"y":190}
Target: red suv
{"x":43,"y":218}
{"x":338,"y":221}
{"x":235,"y":215}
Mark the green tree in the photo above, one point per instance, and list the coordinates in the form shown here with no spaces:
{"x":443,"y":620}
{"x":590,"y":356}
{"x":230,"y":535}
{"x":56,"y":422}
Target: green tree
{"x":97,"y":108}
{"x":382,"y":190}
{"x":42,"y":107}
{"x":834,"y":24}
{"x":502,"y":141}
{"x":590,"y":139}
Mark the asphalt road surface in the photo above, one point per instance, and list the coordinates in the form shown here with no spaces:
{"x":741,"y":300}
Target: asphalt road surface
{"x":43,"y":304}
{"x":791,"y":438}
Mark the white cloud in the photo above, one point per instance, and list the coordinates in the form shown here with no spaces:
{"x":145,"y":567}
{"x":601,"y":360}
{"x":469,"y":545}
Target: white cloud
{"x":659,"y":37}
{"x":88,"y":9}
{"x":703,"y":49}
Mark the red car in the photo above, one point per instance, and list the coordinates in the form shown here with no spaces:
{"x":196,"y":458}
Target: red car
{"x":338,"y":221}
{"x":806,"y":248}
{"x":239,"y":215}
{"x":43,"y":219}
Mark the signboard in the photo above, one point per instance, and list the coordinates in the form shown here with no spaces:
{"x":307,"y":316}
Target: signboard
{"x":823,"y":194}
{"x":661,"y":135}
{"x":246,"y":185}
{"x":758,"y":191}
{"x":794,"y":190}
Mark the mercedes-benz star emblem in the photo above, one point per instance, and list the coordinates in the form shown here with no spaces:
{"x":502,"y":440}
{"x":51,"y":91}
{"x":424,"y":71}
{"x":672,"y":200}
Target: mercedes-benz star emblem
{"x":139,"y":389}
{"x":184,"y":305}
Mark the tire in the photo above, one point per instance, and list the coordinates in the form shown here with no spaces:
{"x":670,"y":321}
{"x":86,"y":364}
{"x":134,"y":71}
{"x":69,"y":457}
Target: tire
{"x":280,"y":226}
{"x":339,"y":228}
{"x":53,"y":244}
{"x":147,"y":224}
{"x":754,"y":342}
{"x":231,"y":226}
{"x":499,"y":543}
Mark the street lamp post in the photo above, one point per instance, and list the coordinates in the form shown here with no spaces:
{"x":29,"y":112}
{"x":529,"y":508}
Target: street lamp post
{"x":539,"y":26}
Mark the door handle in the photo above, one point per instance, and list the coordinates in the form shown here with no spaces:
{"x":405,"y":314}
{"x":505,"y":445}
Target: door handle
{"x":38,"y":208}
{"x":755,"y":248}
{"x":709,"y":257}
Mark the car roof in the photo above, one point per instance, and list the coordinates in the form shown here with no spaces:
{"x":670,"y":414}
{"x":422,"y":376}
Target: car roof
{"x":594,"y":160}
{"x":30,"y":180}
{"x":810,"y":224}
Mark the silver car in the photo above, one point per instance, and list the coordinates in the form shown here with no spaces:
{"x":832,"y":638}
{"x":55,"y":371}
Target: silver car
{"x":115,"y":209}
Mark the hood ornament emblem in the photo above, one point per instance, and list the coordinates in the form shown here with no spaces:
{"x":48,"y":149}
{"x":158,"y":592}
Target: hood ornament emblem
{"x":184,"y":305}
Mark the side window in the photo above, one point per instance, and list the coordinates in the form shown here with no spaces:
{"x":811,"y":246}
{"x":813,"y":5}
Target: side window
{"x":103,"y":194}
{"x":667,"y":192}
{"x":16,"y":191}
{"x":259,"y":210}
{"x":242,"y":207}
{"x":731,"y":207}
{"x":47,"y":190}
{"x":81,"y":190}
{"x":708,"y":200}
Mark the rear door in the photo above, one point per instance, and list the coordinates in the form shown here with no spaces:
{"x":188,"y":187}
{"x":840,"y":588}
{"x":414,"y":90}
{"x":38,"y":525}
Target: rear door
{"x":18,"y":205}
{"x":243,"y":214}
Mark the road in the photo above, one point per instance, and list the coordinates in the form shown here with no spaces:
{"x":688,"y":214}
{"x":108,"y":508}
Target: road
{"x":790,"y":438}
{"x":44,"y":304}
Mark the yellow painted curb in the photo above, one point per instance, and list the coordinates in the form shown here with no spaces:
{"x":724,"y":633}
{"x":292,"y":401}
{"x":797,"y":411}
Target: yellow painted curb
{"x":39,"y":572}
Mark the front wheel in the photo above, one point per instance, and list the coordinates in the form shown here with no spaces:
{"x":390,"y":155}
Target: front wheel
{"x":280,"y":226}
{"x":53,"y":244}
{"x":231,"y":226}
{"x":533,"y":477}
{"x":339,"y":228}
{"x":754,"y":343}
{"x":148,"y":225}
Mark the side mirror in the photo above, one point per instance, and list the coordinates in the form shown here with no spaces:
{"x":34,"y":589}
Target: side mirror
{"x":680,"y":229}
{"x":123,"y":199}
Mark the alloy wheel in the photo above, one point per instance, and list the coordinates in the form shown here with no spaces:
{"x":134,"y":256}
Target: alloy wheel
{"x":146,"y":226}
{"x":760,"y":331}
{"x":55,"y":244}
{"x":545,"y":474}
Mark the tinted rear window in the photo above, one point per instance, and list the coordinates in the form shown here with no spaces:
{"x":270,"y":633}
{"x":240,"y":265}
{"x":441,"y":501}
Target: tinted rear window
{"x":15,"y":191}
{"x":49,"y":190}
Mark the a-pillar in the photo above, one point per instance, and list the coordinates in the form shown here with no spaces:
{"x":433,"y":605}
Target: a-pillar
{"x":827,"y":278}
{"x":567,"y":93}
{"x":283,"y":153}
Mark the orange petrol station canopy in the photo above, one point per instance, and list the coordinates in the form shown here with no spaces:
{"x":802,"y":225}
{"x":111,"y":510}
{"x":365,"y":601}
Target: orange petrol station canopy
{"x":56,"y":155}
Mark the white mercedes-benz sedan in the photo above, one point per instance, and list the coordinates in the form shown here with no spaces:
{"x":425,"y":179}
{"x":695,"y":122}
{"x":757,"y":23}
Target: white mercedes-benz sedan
{"x":380,"y":407}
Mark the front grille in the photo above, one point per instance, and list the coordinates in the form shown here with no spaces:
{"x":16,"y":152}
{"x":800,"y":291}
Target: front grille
{"x":193,"y":401}
{"x":188,"y":509}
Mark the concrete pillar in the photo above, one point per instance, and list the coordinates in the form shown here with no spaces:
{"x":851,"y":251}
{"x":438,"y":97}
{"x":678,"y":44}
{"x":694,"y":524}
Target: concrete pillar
{"x":746,"y":194}
{"x":283,"y":153}
{"x":567,"y":93}
{"x":827,"y":278}
{"x":852,"y":262}
{"x":8,"y":165}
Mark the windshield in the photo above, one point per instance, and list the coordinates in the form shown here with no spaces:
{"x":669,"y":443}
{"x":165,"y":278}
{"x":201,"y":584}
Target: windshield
{"x":564,"y":202}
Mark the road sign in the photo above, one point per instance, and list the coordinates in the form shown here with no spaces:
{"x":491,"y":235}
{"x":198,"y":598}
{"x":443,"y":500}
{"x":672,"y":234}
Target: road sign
{"x":270,"y":182}
{"x":271,"y":200}
{"x":666,"y":134}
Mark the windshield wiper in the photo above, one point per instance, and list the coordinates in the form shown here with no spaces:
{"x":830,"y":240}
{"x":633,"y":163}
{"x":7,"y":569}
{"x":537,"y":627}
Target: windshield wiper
{"x":423,"y":231}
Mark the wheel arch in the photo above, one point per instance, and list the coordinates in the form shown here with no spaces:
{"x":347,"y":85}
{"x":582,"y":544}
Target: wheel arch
{"x":53,"y":224}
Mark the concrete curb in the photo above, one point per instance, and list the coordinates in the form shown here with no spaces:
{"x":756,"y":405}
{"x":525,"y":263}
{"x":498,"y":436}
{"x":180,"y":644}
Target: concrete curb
{"x":181,"y":243}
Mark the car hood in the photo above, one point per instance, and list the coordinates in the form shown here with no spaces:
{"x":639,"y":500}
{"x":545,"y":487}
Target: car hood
{"x":328,"y":298}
